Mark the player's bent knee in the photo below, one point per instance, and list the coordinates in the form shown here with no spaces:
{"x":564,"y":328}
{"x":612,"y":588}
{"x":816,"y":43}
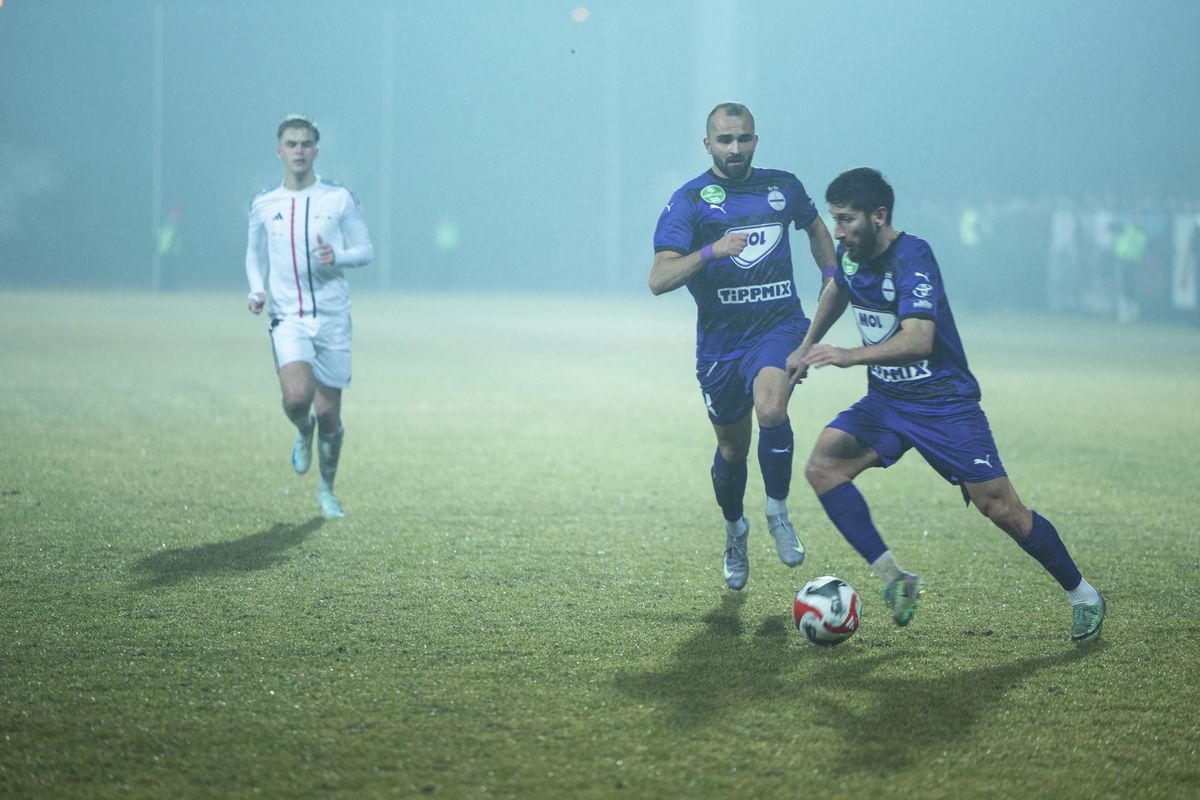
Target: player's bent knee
{"x":296,"y":403}
{"x":819,"y":477}
{"x":734,"y":453}
{"x":771,"y":414}
{"x":1003,"y":515}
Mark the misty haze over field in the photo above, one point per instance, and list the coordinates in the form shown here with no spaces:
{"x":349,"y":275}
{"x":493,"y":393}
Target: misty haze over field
{"x":531,"y":145}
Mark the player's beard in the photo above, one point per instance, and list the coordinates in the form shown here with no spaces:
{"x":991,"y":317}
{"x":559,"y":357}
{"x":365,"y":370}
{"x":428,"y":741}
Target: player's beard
{"x":864,"y":247}
{"x":736,"y":171}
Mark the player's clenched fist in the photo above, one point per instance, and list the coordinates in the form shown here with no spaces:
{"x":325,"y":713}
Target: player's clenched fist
{"x":324,"y":252}
{"x":731,"y":244}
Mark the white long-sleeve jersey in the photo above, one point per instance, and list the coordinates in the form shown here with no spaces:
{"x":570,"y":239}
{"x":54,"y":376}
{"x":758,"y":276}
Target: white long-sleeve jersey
{"x":282,"y":242}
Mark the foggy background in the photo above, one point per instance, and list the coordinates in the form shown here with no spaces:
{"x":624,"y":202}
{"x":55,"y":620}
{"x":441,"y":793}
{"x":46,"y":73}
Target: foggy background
{"x":530,"y":144}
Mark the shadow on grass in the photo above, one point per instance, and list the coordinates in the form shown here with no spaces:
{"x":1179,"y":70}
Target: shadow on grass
{"x":254,"y":552}
{"x":886,"y":721}
{"x":897,"y":721}
{"x":717,"y":669}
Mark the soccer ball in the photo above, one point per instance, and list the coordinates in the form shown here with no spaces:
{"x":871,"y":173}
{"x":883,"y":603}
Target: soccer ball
{"x":826,"y":610}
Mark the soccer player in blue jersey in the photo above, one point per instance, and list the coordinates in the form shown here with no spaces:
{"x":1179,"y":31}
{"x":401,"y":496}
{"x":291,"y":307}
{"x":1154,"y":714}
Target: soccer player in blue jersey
{"x":920,"y":395}
{"x":724,"y":235}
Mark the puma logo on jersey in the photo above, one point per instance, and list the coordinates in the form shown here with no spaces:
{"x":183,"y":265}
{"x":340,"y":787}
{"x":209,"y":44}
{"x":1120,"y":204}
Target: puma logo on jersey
{"x":987,"y":462}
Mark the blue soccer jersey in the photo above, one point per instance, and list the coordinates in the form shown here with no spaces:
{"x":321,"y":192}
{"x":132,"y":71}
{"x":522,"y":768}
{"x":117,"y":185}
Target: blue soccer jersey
{"x":738,"y":298}
{"x":905,"y":281}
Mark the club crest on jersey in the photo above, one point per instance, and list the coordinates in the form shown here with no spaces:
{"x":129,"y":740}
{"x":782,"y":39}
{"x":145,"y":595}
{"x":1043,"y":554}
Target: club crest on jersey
{"x":712,"y":194}
{"x":760,"y":241}
{"x":776,"y":199}
{"x":888,"y":287}
{"x":849,"y":265}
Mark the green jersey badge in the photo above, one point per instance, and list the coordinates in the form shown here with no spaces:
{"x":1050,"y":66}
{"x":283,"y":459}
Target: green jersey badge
{"x":849,"y":266}
{"x":712,"y":194}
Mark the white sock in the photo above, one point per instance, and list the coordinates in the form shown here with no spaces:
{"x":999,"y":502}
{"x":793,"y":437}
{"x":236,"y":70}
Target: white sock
{"x":737,"y":528}
{"x":776,"y":508}
{"x":886,"y":567}
{"x":1083,"y":595}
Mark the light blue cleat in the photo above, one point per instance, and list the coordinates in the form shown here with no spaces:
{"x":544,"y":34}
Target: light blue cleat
{"x":737,"y":561}
{"x":787,"y":543}
{"x":330,"y":506}
{"x":302,"y":447}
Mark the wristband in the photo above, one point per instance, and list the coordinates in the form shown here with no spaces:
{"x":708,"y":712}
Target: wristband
{"x":828,"y":272}
{"x":706,"y":253}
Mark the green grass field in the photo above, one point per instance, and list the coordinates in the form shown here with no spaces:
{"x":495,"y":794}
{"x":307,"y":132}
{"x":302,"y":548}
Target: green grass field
{"x":525,"y":598}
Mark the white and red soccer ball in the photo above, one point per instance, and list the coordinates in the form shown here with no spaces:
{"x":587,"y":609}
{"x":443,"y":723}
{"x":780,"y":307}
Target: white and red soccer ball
{"x":826,"y":610}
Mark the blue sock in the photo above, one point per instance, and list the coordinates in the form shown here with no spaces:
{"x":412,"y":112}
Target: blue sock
{"x":775,"y":458}
{"x":849,"y":513}
{"x":1045,"y":545}
{"x":729,"y":483}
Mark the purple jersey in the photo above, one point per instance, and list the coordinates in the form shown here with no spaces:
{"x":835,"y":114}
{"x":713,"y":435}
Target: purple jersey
{"x":905,"y":281}
{"x":739,"y":298}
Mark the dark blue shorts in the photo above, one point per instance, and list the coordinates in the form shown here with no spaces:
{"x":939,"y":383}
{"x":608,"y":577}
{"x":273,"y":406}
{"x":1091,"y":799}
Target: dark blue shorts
{"x":957,"y":443}
{"x":727,"y":385}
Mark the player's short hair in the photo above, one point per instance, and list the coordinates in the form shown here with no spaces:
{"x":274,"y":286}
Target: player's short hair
{"x":728,"y":109}
{"x":298,"y":121}
{"x":863,"y":189}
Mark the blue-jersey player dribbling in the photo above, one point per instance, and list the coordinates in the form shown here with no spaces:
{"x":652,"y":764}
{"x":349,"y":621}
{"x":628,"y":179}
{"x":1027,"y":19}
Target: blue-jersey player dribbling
{"x":725,"y":236}
{"x":920,"y":395}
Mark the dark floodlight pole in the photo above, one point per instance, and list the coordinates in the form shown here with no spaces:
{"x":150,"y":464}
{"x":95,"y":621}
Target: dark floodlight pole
{"x":386,"y":146}
{"x":612,"y":159}
{"x":156,"y":153}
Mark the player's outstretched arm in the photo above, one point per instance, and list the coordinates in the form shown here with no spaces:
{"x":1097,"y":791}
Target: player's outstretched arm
{"x":913,"y":341}
{"x":830,"y":308}
{"x":672,"y":270}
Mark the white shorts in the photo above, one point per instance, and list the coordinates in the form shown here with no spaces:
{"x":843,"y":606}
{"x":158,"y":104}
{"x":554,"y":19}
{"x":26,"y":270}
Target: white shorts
{"x":323,"y":342}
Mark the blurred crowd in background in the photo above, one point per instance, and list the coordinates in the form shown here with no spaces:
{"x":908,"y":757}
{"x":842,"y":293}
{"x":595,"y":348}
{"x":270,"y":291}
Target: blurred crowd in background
{"x":1125,"y":259}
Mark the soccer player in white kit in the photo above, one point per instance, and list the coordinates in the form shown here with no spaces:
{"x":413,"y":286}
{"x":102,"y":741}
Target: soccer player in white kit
{"x":303,"y":234}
